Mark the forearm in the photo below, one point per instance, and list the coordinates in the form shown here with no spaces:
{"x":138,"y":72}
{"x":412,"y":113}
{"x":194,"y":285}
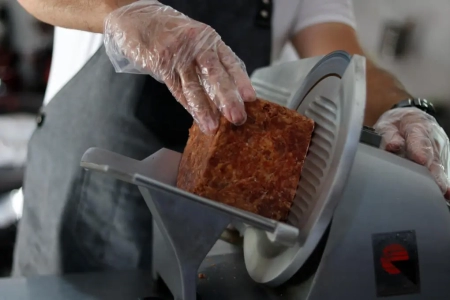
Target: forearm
{"x":383,"y":89}
{"x":86,"y":15}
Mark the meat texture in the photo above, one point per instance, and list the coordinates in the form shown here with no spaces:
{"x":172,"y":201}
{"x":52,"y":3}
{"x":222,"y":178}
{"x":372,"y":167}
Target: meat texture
{"x":255,"y":167}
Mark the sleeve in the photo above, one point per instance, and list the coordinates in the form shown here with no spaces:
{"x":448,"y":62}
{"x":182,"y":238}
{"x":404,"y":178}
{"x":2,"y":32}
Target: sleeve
{"x":313,"y":12}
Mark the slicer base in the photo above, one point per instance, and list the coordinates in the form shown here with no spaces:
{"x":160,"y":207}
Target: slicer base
{"x":225,"y":278}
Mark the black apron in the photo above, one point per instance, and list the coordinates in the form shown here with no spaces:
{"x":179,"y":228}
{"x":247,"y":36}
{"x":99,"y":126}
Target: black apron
{"x":79,"y":221}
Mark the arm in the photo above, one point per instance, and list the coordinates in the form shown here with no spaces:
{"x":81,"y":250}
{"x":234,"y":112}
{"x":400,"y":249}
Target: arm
{"x":383,"y":89}
{"x":86,"y":15}
{"x":148,"y":37}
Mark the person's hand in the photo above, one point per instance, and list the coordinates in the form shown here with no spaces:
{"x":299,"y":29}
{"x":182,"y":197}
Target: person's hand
{"x":414,"y":134}
{"x":203,"y":74}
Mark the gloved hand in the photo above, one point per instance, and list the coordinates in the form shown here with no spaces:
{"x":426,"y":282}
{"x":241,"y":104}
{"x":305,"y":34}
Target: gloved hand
{"x":203,"y":74}
{"x":414,"y":134}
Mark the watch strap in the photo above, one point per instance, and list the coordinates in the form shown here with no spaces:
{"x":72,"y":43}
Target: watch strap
{"x":419,"y":103}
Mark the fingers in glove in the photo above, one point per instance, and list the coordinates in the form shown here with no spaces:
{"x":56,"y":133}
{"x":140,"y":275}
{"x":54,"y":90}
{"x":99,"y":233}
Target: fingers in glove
{"x":419,"y":147}
{"x":236,"y":69}
{"x":197,"y":102}
{"x":393,"y":141}
{"x":441,"y":144}
{"x":173,"y":83}
{"x":220,"y":87}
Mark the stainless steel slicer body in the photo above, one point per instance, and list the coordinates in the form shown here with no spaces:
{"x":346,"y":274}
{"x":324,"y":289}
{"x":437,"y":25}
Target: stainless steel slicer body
{"x":353,"y":202}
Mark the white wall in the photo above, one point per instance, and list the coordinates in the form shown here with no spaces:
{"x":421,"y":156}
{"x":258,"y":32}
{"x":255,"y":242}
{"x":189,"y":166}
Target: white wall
{"x":427,"y":72}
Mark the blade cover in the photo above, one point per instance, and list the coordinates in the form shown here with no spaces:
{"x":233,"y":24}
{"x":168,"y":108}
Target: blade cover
{"x":333,"y":94}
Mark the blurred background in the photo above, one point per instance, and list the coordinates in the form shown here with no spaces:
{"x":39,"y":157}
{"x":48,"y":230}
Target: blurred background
{"x":410,"y":38}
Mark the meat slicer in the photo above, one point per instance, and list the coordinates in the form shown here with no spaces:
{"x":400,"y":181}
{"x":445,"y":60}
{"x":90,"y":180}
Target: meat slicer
{"x":365,"y":223}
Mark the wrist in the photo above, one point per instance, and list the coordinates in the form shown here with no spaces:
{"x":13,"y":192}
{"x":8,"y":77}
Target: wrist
{"x":419,"y":103}
{"x":383,"y":91}
{"x":116,"y":4}
{"x":112,"y":5}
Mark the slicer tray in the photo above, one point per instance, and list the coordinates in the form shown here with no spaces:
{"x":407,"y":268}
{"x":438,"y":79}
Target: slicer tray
{"x":159,"y":172}
{"x":186,"y":226}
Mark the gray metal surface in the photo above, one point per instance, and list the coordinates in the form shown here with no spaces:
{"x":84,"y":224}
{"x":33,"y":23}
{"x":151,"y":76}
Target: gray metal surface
{"x":334,"y":64}
{"x":224,"y":277}
{"x":109,"y":286}
{"x":385,"y":193}
{"x":337,"y":107}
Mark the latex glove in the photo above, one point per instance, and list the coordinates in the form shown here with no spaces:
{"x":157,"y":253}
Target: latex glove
{"x":203,"y":74}
{"x":414,"y":134}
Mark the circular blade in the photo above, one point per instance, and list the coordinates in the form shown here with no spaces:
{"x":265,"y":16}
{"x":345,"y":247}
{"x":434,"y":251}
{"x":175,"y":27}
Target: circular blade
{"x":333,"y":95}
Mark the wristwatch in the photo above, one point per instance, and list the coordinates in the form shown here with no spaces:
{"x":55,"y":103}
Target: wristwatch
{"x":419,"y":103}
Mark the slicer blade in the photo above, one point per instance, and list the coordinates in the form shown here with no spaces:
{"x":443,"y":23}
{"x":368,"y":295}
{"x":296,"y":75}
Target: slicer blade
{"x":333,"y":95}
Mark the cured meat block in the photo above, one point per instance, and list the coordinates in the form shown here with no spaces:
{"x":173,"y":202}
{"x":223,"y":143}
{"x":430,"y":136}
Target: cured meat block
{"x":255,"y":167}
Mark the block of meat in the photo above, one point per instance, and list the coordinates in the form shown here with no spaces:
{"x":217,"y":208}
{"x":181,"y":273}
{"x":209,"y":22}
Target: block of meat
{"x":255,"y":167}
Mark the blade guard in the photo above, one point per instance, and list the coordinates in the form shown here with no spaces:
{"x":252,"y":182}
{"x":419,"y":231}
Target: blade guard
{"x":333,"y":94}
